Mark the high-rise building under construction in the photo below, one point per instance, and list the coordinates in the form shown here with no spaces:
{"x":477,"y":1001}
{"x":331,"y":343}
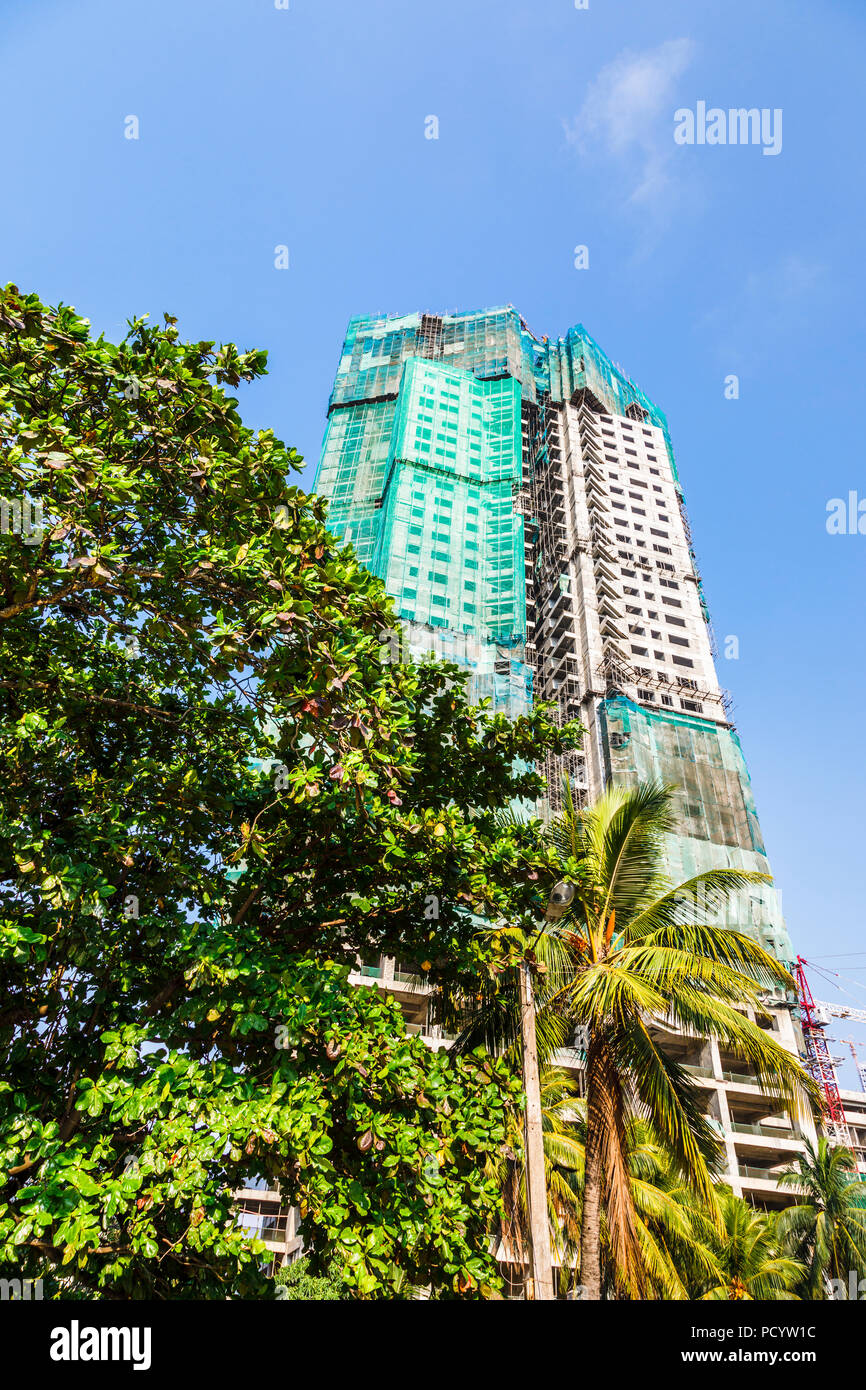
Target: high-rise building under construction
{"x":520,"y":499}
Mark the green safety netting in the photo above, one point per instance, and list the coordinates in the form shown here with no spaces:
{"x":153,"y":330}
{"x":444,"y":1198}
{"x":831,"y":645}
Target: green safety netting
{"x":718,"y":823}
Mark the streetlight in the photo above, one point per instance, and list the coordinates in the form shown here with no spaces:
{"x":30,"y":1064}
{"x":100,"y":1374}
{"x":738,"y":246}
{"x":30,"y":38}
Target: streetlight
{"x":560,"y":899}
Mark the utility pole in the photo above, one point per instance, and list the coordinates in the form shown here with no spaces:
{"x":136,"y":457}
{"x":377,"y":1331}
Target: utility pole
{"x":536,"y":1183}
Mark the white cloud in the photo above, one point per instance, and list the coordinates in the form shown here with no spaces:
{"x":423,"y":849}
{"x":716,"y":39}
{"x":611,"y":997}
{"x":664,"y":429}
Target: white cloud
{"x":627,"y":116}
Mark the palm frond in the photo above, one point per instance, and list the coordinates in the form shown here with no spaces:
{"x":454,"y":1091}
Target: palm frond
{"x":670,"y":1095}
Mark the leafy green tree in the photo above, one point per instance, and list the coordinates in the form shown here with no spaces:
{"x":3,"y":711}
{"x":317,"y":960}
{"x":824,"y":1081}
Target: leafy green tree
{"x":827,"y":1228}
{"x":218,"y":792}
{"x":294,"y":1281}
{"x":641,"y":947}
{"x":751,"y":1264}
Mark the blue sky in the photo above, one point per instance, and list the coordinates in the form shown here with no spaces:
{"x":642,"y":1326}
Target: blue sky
{"x":305,"y":127}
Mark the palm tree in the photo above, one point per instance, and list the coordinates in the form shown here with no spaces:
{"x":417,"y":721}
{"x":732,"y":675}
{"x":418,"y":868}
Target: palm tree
{"x":747,"y":1250}
{"x":640,"y":948}
{"x":827,"y":1230}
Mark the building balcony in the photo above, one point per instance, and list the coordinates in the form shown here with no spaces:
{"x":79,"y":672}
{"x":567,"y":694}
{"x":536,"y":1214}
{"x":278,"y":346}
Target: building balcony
{"x":391,"y":975}
{"x":760,"y":1186}
{"x":409,"y":979}
{"x":741,"y":1078}
{"x":787,"y":1133}
{"x":760,"y":1175}
{"x":558,"y":642}
{"x":434,"y":1036}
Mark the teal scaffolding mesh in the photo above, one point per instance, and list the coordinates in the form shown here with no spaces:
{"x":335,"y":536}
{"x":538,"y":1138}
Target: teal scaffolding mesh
{"x":718,"y":823}
{"x":450,"y":547}
{"x":420,"y":461}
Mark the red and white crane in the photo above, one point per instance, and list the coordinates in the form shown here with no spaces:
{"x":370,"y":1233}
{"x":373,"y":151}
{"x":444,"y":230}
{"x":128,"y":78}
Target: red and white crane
{"x":814,"y":1017}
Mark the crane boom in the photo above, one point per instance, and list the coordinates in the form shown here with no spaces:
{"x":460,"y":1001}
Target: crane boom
{"x":818,"y":1059}
{"x":841,"y":1011}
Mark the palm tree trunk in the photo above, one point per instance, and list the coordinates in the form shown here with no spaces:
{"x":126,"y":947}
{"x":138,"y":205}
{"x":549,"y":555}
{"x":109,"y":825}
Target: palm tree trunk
{"x":590,"y":1225}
